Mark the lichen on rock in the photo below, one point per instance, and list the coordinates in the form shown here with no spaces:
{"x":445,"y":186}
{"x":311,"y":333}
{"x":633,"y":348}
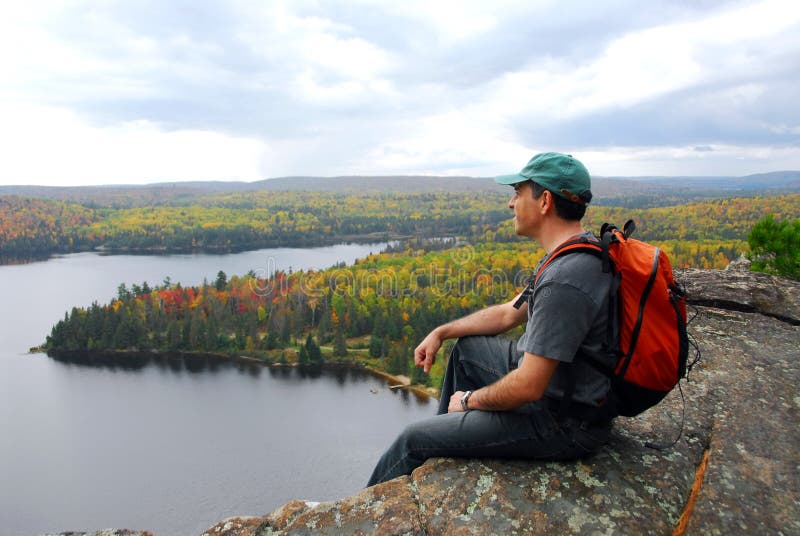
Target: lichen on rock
{"x":740,"y":407}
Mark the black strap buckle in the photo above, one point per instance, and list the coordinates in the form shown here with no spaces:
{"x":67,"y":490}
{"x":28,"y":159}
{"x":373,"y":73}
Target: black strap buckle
{"x":525,"y":296}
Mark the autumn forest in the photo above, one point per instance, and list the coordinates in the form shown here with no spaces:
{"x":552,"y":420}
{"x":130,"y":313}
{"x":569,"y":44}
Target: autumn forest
{"x":452,"y":252}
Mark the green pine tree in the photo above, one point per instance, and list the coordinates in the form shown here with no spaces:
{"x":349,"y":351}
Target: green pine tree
{"x":222,"y":281}
{"x":775,"y":247}
{"x":313,"y":350}
{"x":339,"y":343}
{"x":375,"y":346}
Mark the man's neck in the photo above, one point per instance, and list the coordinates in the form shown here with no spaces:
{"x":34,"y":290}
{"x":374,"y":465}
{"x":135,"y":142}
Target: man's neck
{"x":558,"y":233}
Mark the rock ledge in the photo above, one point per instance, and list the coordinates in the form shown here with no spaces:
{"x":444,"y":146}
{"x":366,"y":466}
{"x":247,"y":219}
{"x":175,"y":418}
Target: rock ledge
{"x":734,"y":469}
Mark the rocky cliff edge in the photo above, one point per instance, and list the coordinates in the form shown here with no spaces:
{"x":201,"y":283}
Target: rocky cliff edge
{"x":734,"y":469}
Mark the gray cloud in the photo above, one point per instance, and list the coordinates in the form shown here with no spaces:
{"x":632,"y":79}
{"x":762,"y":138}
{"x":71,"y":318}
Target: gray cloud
{"x":206,"y":76}
{"x":251,"y":70}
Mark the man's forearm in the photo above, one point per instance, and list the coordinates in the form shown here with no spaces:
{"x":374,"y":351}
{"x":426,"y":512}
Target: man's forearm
{"x":508,"y":392}
{"x":525,"y":384}
{"x":488,"y":321}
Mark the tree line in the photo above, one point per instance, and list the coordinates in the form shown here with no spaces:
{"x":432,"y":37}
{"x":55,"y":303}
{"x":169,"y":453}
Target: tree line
{"x":374,"y":311}
{"x":237,"y":221}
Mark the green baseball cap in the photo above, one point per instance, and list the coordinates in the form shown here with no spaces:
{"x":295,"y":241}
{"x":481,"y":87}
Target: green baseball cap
{"x":559,"y":173}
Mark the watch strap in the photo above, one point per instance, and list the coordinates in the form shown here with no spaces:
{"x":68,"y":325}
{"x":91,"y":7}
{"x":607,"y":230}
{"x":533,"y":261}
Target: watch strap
{"x":465,"y":400}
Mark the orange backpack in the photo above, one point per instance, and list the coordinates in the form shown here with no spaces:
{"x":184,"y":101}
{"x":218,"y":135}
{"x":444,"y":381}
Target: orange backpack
{"x":647,"y":318}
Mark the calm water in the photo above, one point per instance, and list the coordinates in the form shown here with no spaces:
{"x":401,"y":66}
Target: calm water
{"x":172,"y":446}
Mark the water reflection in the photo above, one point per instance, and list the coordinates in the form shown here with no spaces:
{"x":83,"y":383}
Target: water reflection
{"x":201,"y":440}
{"x":309,"y":371}
{"x":12,"y":261}
{"x":117,"y":361}
{"x":344,"y":376}
{"x":341,"y":375}
{"x":195,"y":363}
{"x":280,"y":372}
{"x":175,"y":362}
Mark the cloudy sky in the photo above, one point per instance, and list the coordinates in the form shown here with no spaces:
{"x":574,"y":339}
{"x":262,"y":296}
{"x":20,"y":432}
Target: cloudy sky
{"x":100,"y":92}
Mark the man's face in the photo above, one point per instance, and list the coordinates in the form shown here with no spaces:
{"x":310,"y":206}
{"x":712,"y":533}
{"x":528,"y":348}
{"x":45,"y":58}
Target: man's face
{"x":526,"y":210}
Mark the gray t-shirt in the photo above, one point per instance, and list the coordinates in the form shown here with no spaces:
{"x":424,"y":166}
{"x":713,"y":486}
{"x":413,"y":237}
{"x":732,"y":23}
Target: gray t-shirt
{"x":567,"y":318}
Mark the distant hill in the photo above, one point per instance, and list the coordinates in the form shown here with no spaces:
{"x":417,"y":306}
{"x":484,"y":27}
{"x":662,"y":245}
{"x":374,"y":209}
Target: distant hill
{"x":115,"y":196}
{"x":170,"y":193}
{"x":761,"y":181}
{"x":401,"y":183}
{"x":607,"y":190}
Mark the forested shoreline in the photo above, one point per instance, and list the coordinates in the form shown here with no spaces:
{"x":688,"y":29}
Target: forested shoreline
{"x":459,"y":253}
{"x":227,"y":222}
{"x":372,"y":312}
{"x":230,"y":222}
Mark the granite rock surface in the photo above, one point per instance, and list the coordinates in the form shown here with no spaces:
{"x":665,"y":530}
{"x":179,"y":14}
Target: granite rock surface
{"x":731,"y":463}
{"x":735,"y":468}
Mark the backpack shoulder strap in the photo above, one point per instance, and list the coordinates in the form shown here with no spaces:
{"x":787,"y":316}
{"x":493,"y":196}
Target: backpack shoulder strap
{"x":574,"y":245}
{"x":581,"y":243}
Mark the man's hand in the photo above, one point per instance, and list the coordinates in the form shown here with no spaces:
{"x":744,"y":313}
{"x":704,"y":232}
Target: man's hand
{"x":454,"y":406}
{"x":425,"y":353}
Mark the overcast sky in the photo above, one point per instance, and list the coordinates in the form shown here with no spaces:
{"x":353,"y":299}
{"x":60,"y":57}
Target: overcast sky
{"x":101,"y":92}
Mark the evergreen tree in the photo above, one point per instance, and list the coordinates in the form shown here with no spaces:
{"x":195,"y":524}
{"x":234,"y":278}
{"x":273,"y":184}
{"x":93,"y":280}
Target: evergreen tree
{"x":110,"y":323}
{"x":221,"y":282}
{"x":271,"y":341}
{"x":398,"y":363}
{"x":122,"y":292}
{"x":375,"y":346}
{"x":775,"y":247}
{"x":186,"y":332}
{"x":129,"y":333}
{"x":313,"y":350}
{"x":212,"y":334}
{"x":286,"y":332}
{"x":418,"y":375}
{"x":379,"y":326}
{"x":94,"y":322}
{"x":241,"y":336}
{"x":174,"y":336}
{"x":324,"y":327}
{"x":303,"y":357}
{"x":197,"y":333}
{"x":251,"y":319}
{"x":339,"y":343}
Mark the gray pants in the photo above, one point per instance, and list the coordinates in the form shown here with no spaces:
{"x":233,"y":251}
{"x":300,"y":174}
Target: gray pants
{"x":528,"y":432}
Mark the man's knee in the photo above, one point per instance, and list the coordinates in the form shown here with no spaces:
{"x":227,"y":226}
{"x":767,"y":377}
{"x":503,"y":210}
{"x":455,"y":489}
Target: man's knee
{"x":468,"y":348}
{"x":479,"y":355}
{"x":465,"y":344}
{"x":481,"y":345}
{"x":413,"y":435}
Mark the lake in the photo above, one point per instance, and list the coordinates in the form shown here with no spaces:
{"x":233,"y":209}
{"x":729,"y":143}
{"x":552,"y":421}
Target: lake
{"x":173,"y":445}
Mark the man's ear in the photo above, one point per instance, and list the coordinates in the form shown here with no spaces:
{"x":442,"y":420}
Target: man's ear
{"x":547,"y":201}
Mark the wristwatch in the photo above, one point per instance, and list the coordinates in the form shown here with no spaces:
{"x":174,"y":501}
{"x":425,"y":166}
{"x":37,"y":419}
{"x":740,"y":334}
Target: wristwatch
{"x":465,"y":399}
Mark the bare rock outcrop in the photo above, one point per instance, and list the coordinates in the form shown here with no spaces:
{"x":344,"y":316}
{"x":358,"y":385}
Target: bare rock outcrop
{"x":105,"y":532}
{"x":734,"y":470}
{"x":744,"y":291}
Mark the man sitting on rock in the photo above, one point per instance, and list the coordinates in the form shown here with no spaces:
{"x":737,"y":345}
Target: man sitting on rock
{"x":503,"y":399}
